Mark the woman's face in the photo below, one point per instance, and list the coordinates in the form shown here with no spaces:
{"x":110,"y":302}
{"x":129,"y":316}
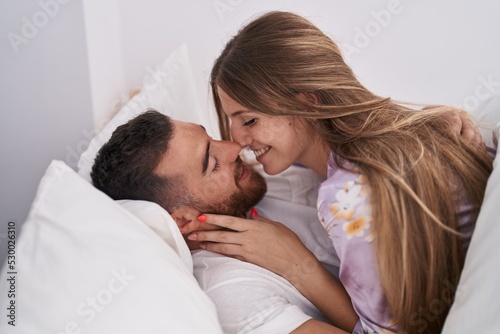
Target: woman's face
{"x":276,"y":141}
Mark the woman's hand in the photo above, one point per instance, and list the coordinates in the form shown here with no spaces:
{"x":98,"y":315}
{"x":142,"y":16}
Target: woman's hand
{"x":275,"y":247}
{"x":259,"y":241}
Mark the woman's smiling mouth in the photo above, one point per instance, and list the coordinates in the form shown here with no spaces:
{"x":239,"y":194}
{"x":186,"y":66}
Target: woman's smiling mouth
{"x":261,"y":151}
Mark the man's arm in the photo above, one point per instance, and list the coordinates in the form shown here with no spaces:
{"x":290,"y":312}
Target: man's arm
{"x":462,"y":124}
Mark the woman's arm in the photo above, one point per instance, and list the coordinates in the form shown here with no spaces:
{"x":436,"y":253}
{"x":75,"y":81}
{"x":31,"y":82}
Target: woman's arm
{"x":275,"y":247}
{"x":314,"y":326}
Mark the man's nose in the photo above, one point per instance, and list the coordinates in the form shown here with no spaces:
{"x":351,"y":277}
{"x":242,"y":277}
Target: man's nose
{"x":230,"y":150}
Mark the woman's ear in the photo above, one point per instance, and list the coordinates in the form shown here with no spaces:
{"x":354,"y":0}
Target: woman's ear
{"x":186,"y":219}
{"x":309,"y":97}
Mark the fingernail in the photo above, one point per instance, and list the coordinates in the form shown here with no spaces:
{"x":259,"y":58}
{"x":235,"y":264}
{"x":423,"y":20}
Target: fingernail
{"x":193,"y":236}
{"x":202,"y":218}
{"x":253,"y":212}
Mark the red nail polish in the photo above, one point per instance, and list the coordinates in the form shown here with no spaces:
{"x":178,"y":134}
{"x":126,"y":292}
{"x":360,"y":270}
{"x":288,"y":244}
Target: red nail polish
{"x":253,"y":212}
{"x":202,"y":218}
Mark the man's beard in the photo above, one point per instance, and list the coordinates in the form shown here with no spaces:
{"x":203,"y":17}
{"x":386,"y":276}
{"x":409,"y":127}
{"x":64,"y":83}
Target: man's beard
{"x":240,"y":202}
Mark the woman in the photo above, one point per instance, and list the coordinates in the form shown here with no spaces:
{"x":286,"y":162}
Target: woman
{"x":403,"y":189}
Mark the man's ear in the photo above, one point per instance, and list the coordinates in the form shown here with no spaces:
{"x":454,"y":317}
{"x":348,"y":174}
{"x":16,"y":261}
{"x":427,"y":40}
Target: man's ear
{"x":186,"y":218}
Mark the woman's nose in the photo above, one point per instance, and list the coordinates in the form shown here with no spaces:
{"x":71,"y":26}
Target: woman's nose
{"x":241,"y":136}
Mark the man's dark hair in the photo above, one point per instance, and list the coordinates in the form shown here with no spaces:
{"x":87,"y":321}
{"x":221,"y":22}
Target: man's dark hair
{"x":124,"y":166}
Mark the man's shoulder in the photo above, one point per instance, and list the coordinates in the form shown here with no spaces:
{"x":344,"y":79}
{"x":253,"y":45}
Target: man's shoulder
{"x":248,"y":297}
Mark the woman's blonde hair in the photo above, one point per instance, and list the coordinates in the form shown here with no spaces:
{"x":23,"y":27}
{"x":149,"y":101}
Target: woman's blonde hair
{"x":419,"y":169}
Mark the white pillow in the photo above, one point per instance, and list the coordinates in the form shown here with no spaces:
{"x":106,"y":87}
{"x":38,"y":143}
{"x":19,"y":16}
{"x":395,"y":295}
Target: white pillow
{"x":476,"y":305}
{"x":86,"y":264}
{"x":171,"y":90}
{"x":160,"y":221}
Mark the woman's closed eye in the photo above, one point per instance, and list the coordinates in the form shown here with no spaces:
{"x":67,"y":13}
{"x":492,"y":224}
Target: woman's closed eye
{"x":250,"y":122}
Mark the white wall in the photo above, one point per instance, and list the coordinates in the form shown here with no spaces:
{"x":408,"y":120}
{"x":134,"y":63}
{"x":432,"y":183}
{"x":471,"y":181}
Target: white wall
{"x":66,"y":79}
{"x":424,"y":51}
{"x":44,"y":98}
{"x":104,"y":49}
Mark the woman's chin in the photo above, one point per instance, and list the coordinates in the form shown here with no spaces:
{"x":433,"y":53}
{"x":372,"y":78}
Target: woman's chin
{"x":271,"y":169}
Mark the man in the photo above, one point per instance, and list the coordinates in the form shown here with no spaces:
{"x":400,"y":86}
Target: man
{"x":178,"y":166}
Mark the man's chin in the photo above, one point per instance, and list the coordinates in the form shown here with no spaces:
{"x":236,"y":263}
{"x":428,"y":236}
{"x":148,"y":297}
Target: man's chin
{"x":239,"y":203}
{"x":255,"y":189}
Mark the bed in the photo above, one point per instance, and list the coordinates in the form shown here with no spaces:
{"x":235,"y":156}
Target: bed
{"x":88,"y":264}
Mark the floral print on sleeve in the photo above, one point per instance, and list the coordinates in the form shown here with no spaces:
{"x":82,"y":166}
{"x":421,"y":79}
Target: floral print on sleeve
{"x":344,"y":210}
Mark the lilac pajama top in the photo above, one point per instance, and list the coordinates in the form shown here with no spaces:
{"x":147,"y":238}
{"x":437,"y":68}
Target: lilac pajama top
{"x":344,"y":209}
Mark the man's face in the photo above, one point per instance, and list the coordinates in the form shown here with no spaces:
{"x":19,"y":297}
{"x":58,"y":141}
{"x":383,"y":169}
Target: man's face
{"x":213,"y":174}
